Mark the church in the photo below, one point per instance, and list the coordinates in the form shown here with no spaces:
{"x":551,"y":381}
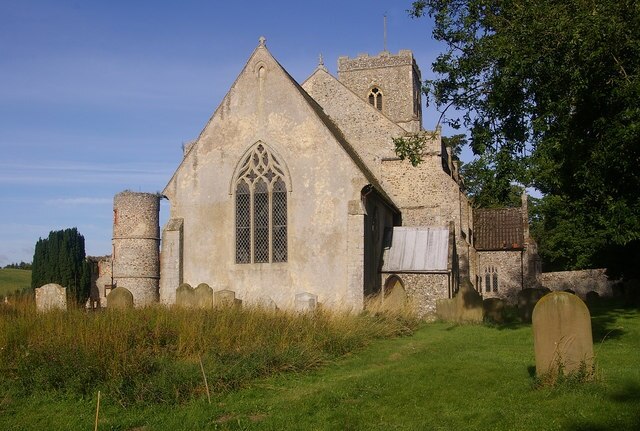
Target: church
{"x":294,"y":190}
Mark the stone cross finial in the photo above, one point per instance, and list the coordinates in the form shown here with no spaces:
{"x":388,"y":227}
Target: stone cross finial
{"x":262,"y":40}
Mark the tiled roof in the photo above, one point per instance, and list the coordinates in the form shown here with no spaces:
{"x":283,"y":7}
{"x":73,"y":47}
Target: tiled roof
{"x":498,"y":229}
{"x":417,"y":249}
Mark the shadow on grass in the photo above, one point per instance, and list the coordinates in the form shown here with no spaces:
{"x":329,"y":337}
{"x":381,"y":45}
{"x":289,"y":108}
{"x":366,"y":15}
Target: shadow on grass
{"x":629,"y":395}
{"x":605,"y":317}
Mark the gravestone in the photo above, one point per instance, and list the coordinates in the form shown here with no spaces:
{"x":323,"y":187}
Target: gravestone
{"x":266,"y":303}
{"x":120,"y":298}
{"x":466,"y":306}
{"x":527,"y":299}
{"x":185,"y":296}
{"x":493,"y":309}
{"x":51,"y":297}
{"x":225,"y":298}
{"x":592,"y":296}
{"x":395,"y":297}
{"x":562,"y":335}
{"x":203,"y":296}
{"x":306,"y":301}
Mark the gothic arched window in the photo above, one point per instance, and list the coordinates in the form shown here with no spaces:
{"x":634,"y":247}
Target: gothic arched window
{"x":261,"y":208}
{"x":375,"y":98}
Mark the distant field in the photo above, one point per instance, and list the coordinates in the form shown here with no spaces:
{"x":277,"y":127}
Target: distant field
{"x":14,"y":279}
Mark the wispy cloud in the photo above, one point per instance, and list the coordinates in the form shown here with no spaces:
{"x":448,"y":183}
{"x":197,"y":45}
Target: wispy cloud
{"x":142,"y":174}
{"x":79,"y":201}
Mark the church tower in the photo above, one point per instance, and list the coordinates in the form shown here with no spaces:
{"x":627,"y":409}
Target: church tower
{"x":391,"y":83}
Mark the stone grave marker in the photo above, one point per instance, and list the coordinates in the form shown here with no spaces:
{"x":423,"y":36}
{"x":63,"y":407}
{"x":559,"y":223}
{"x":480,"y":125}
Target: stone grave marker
{"x":562,"y":335}
{"x":120,"y":298}
{"x":592,"y":296}
{"x":306,"y":301}
{"x":527,"y":299}
{"x":395,"y":297}
{"x":225,"y":298}
{"x":51,"y":296}
{"x":185,"y":296}
{"x":493,"y":309}
{"x":203,"y":296}
{"x":465,"y":306}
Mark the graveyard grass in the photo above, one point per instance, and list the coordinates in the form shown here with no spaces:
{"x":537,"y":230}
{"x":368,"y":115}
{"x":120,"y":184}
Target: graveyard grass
{"x":443,"y":377}
{"x":12,"y":280}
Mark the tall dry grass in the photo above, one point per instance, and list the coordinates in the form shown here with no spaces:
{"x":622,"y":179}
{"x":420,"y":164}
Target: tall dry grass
{"x":153,"y":355}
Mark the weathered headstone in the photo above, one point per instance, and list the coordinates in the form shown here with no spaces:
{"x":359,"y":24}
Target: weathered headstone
{"x":466,"y":306}
{"x":395,"y":297}
{"x":592,"y":296}
{"x":225,"y":298}
{"x":266,"y":303}
{"x":185,"y":296}
{"x":527,"y":299}
{"x":306,"y":301}
{"x":51,"y":297}
{"x":493,"y":309}
{"x":562,"y":335}
{"x":120,"y":298}
{"x":203,"y":296}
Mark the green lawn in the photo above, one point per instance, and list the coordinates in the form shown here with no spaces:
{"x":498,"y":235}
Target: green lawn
{"x":445,"y":377}
{"x":14,"y":279}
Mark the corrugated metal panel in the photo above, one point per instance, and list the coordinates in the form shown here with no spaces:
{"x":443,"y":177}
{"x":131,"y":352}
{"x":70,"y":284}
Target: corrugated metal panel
{"x":417,"y":249}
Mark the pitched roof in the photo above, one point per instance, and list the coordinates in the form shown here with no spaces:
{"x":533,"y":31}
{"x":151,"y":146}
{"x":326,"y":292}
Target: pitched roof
{"x":498,"y":229}
{"x":319,"y":112}
{"x":417,"y":249}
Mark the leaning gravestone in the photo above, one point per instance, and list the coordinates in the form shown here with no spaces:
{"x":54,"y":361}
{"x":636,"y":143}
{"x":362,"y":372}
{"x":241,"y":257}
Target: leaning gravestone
{"x":51,"y":297}
{"x":203,"y":296}
{"x":527,"y":299}
{"x":185,"y":296}
{"x":466,"y":306}
{"x":225,"y":298}
{"x":119,"y":298}
{"x":562,"y":335}
{"x":493,"y":309}
{"x":306,"y":301}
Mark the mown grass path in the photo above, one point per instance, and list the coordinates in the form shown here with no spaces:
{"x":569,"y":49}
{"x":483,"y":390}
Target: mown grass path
{"x":445,"y":377}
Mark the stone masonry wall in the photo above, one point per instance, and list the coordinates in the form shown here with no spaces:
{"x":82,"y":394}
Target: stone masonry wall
{"x":508,"y":265}
{"x":136,"y":240}
{"x":423,"y":290}
{"x":396,"y":76}
{"x":581,"y":282}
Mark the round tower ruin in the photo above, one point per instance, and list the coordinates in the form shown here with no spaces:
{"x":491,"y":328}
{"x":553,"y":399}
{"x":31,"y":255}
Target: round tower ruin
{"x":136,"y":242}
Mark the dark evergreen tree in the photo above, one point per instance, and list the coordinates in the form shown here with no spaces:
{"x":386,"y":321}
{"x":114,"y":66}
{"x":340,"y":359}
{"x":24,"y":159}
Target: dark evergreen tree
{"x":60,"y":259}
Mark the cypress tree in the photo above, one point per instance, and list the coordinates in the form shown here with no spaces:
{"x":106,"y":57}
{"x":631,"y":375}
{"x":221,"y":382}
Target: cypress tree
{"x":60,"y":259}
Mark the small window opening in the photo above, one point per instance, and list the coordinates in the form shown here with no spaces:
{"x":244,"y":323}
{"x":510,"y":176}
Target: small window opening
{"x":375,"y":98}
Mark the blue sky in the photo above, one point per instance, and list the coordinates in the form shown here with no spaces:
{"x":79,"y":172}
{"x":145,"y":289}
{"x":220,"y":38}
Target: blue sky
{"x":98,"y":96}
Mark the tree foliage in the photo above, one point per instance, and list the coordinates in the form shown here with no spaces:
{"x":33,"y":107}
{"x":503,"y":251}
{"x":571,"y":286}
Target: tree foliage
{"x":550,"y":93}
{"x":60,"y":259}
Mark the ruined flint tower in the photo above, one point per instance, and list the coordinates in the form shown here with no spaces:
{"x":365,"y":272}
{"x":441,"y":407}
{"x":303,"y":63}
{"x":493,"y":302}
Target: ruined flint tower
{"x":136,"y":242}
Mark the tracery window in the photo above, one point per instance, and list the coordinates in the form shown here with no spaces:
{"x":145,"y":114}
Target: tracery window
{"x":261,"y":208}
{"x":375,"y":98}
{"x":491,"y":279}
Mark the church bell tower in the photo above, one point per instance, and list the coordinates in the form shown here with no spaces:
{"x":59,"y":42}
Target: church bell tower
{"x":390,"y":83}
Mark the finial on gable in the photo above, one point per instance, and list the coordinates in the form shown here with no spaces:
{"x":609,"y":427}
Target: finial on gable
{"x":262,"y":41}
{"x":321,"y":62}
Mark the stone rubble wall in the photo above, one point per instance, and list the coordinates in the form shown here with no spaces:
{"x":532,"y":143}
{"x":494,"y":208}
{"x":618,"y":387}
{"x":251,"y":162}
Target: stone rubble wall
{"x":581,"y":282}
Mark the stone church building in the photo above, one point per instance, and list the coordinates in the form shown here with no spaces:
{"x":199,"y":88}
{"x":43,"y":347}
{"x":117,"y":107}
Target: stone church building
{"x":294,"y":188}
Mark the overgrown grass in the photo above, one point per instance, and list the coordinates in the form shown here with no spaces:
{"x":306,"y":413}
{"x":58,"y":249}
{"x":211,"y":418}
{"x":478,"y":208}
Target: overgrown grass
{"x":154,"y":355}
{"x":14,"y":280}
{"x":444,"y":377}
